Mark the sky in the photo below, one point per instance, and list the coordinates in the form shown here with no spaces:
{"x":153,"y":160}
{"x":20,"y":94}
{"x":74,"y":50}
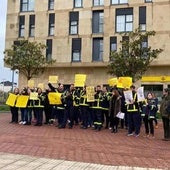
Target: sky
{"x":5,"y":73}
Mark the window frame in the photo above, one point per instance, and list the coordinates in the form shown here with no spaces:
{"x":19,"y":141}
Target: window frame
{"x":25,"y":5}
{"x":49,"y":49}
{"x":99,"y":3}
{"x":74,"y":23}
{"x":51,"y":29}
{"x":127,"y":14}
{"x":98,"y":22}
{"x":118,"y":2}
{"x":142,"y":18}
{"x":31,"y":25}
{"x":78,"y":6}
{"x":99,"y":53}
{"x":21,"y":26}
{"x":76,"y":49}
{"x":51,"y":4}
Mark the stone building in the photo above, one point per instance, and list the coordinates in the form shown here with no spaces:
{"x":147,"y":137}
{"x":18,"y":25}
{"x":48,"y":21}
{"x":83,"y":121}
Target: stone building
{"x":80,"y":34}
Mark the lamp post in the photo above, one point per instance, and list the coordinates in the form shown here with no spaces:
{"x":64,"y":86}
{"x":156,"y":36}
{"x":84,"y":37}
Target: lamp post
{"x":12,"y":80}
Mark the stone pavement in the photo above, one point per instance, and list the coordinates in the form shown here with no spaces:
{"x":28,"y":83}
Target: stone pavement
{"x":48,"y":147}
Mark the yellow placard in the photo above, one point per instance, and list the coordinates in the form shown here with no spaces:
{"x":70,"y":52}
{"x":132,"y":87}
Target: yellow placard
{"x":54,"y":98}
{"x":124,"y":82}
{"x":41,"y":85}
{"x":22,"y":101}
{"x":90,"y":93}
{"x":30,"y":83}
{"x":33,"y":96}
{"x":80,"y":80}
{"x":112,"y":81}
{"x":11,"y":100}
{"x":53,"y":79}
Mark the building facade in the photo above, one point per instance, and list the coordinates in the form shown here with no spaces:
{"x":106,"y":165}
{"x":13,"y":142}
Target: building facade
{"x":80,"y":34}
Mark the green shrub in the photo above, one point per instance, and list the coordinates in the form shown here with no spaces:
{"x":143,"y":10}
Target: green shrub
{"x":4,"y":108}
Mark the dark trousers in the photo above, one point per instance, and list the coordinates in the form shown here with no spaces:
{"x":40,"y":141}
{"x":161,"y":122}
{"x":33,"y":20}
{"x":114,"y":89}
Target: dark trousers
{"x":149,"y":128}
{"x":39,"y":115}
{"x":134,"y":122}
{"x":61,"y":114}
{"x":69,"y":116}
{"x":48,"y":112}
{"x":14,"y":112}
{"x":106,"y":118}
{"x":85,"y":115}
{"x":76,"y":114}
{"x":98,"y":118}
{"x":115,"y":122}
{"x":166,"y":127}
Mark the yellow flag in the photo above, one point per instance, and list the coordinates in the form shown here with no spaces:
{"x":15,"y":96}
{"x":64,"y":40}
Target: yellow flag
{"x":54,"y":98}
{"x":11,"y":100}
{"x":112,"y":81}
{"x":30,"y":83}
{"x":80,"y":80}
{"x":22,"y":101}
{"x":124,"y":82}
{"x":53,"y":79}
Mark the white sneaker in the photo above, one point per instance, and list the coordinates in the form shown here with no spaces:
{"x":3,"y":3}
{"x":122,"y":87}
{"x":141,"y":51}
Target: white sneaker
{"x":24,"y":122}
{"x":21,"y":122}
{"x":130,"y":134}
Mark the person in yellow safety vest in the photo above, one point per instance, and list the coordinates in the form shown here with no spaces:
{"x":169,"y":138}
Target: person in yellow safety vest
{"x":84,"y":108}
{"x":76,"y":108}
{"x":39,"y":107}
{"x":134,"y":117}
{"x":97,"y":109}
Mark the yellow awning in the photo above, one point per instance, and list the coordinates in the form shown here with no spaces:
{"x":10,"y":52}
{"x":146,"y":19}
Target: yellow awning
{"x":155,"y":79}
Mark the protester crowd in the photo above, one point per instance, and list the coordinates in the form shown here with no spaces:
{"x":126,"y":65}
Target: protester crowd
{"x":102,"y":112}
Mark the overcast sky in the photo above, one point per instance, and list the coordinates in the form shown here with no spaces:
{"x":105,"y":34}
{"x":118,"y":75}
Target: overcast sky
{"x":5,"y":73}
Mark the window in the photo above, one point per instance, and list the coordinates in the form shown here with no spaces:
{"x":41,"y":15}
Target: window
{"x":144,"y":47}
{"x":78,"y":3}
{"x":26,"y":5}
{"x":113,"y":44}
{"x":148,"y":0}
{"x":21,"y":26}
{"x":50,"y":4}
{"x":98,"y":2}
{"x":142,"y":18}
{"x":51,"y":24}
{"x":114,"y":2}
{"x":98,"y":21}
{"x":97,"y":49}
{"x":125,"y":45}
{"x":76,"y":49}
{"x":124,"y":20}
{"x":32,"y":26}
{"x":74,"y":18}
{"x":49,"y":50}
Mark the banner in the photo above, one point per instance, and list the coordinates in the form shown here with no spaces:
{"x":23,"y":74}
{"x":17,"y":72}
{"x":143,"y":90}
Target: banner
{"x":53,"y":79}
{"x":11,"y":100}
{"x":30,"y":83}
{"x":54,"y":98}
{"x":22,"y":101}
{"x":90,"y":94}
{"x":140,"y":94}
{"x":80,"y":80}
{"x":124,"y":82}
{"x":128,"y":96}
{"x":112,"y":82}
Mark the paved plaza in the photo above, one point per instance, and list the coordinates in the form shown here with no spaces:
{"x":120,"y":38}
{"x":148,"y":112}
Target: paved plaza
{"x":50,"y":148}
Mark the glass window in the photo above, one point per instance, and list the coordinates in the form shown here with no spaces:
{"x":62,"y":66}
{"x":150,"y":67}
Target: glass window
{"x":113,"y":44}
{"x":148,"y":0}
{"x":74,"y":18}
{"x":50,"y":4}
{"x":78,"y":3}
{"x":142,"y":18}
{"x":21,"y":26}
{"x":76,"y":49}
{"x":114,"y":2}
{"x":98,"y":2}
{"x":98,"y":22}
{"x":27,"y":5}
{"x":49,"y":49}
{"x":124,"y":20}
{"x":97,"y":49}
{"x":51,"y":24}
{"x":32,"y":25}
